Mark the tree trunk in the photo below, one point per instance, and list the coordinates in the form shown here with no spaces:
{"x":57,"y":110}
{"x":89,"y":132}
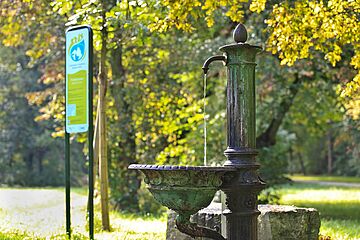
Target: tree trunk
{"x":329,"y":152}
{"x":10,"y":156}
{"x":291,"y":160}
{"x":96,"y":143}
{"x":29,"y":161}
{"x":268,"y":137}
{"x":103,"y":161}
{"x":302,"y":165}
{"x":40,"y":155}
{"x":127,"y":145}
{"x":103,"y":158}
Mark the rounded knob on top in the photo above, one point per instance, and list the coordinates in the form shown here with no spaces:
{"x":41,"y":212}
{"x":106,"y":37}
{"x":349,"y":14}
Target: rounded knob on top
{"x":240,"y":33}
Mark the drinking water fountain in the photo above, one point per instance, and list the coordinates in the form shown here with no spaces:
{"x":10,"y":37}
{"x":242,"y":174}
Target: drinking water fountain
{"x":188,"y":189}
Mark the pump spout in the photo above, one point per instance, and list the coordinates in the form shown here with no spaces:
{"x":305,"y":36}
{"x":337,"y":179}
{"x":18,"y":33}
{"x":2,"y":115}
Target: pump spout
{"x":205,"y":67}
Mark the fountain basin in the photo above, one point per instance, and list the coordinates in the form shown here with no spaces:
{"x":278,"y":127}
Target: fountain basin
{"x":186,"y":190}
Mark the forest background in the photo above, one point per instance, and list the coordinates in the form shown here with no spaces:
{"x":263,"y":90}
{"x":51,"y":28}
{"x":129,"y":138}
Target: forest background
{"x":148,"y":57}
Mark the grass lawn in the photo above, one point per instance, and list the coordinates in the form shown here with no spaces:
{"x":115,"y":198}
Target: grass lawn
{"x":39,"y":214}
{"x":325,"y":178}
{"x":339,"y":207}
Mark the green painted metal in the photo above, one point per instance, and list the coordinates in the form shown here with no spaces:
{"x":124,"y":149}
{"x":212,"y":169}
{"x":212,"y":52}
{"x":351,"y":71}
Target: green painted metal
{"x":67,"y":185}
{"x":90,"y":140}
{"x":90,"y":210}
{"x":185,"y":190}
{"x":241,"y":95}
{"x":240,"y":210}
{"x":188,"y":189}
{"x":178,"y":187}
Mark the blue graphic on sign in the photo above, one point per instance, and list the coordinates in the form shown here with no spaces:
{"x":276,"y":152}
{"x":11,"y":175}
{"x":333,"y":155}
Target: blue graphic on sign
{"x":77,"y":51}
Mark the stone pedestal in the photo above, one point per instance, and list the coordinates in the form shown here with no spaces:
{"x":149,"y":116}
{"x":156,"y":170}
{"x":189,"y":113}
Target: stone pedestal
{"x":276,"y":222}
{"x":209,"y":217}
{"x":171,"y":231}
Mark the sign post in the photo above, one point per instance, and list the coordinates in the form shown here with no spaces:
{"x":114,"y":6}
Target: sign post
{"x":79,"y":107}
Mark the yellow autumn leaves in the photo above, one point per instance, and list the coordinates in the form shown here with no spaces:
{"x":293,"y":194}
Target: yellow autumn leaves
{"x":181,"y":14}
{"x":299,"y":29}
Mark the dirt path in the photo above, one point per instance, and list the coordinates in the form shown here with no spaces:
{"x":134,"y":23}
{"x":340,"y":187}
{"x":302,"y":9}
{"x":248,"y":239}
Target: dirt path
{"x":40,"y":211}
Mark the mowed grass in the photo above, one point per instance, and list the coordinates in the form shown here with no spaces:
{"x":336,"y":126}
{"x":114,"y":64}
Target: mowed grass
{"x":38,"y":214}
{"x":133,"y":227}
{"x":325,"y":178}
{"x":339,"y":207}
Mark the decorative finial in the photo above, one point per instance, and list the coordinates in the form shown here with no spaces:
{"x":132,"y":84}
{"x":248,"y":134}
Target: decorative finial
{"x":240,"y":33}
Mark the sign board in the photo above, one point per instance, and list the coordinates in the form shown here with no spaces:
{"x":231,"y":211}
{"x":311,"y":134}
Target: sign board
{"x":78,"y":108}
{"x":77,"y":79}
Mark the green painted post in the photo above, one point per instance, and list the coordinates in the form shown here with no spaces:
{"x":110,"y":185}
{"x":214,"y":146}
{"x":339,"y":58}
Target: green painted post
{"x":79,"y":80}
{"x":240,"y":212}
{"x":67,"y":184}
{"x":90,"y":140}
{"x":240,"y":205}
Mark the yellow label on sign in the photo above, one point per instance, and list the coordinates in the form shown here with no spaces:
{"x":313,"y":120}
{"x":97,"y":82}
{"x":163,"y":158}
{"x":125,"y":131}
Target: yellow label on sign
{"x":77,"y":97}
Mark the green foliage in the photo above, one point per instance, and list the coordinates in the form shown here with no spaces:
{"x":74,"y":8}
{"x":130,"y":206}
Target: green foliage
{"x":301,"y":29}
{"x":154,"y":98}
{"x":155,"y":127}
{"x":29,"y":156}
{"x":269,"y":195}
{"x":148,"y":206}
{"x":312,"y":147}
{"x":273,"y":164}
{"x":186,"y":14}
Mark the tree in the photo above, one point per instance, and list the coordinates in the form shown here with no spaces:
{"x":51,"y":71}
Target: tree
{"x":23,"y":26}
{"x":29,"y":156}
{"x":301,"y":29}
{"x":296,"y":30}
{"x":116,"y":26}
{"x":153,"y":104}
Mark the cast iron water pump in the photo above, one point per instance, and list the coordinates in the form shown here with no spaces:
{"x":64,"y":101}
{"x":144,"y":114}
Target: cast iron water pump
{"x":187,"y":189}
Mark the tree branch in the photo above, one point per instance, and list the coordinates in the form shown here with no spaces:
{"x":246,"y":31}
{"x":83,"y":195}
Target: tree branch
{"x":268,"y":137}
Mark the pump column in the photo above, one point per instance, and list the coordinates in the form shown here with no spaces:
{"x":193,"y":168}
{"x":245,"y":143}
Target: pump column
{"x":240,"y":208}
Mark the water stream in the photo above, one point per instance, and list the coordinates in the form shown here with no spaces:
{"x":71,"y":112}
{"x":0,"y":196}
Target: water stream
{"x":204,"y":101}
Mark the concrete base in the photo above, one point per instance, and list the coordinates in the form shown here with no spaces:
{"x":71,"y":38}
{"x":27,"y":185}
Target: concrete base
{"x":276,"y":222}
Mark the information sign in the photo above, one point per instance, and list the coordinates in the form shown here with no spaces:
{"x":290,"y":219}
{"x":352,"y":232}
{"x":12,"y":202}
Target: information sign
{"x":78,"y":108}
{"x":77,"y":80}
